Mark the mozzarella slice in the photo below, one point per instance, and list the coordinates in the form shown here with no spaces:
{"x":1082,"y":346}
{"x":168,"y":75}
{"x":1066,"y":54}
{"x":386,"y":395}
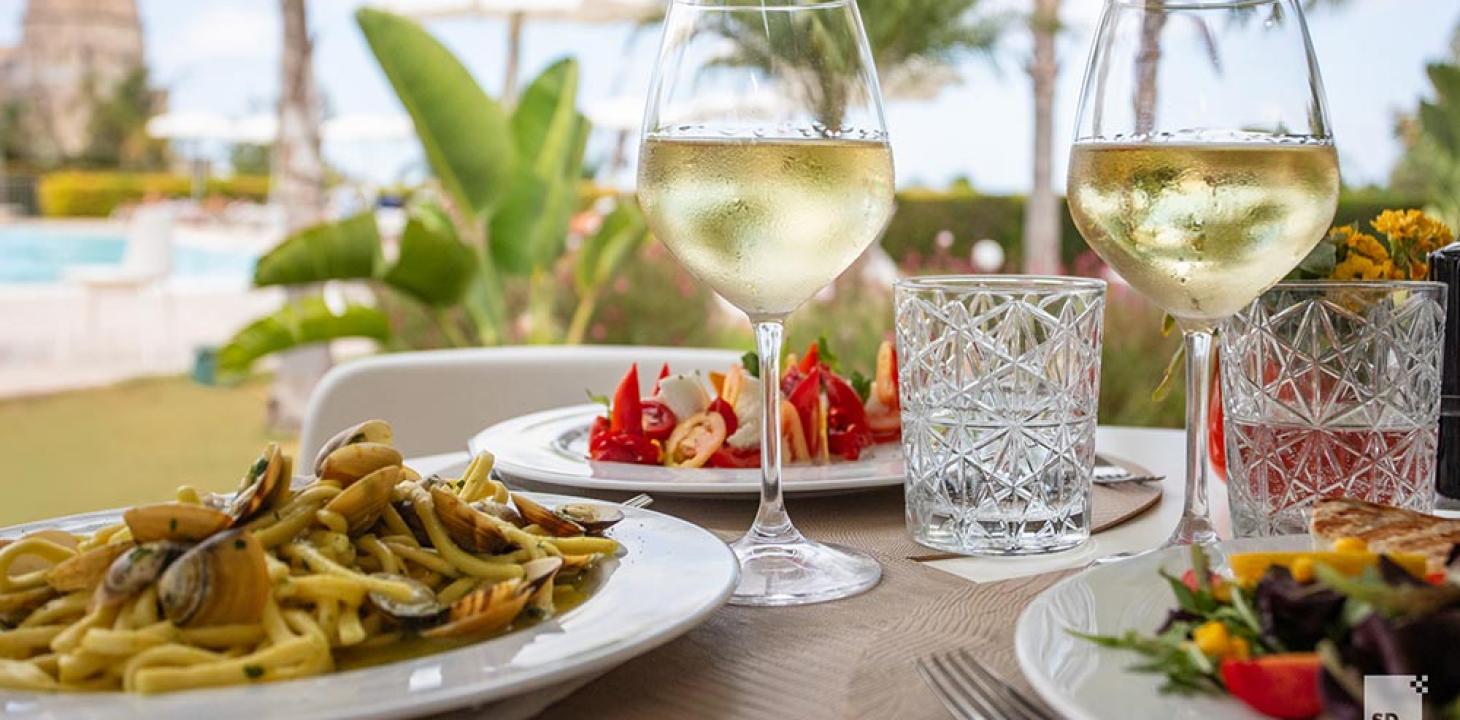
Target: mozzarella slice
{"x":684,"y":394}
{"x":747,"y":416}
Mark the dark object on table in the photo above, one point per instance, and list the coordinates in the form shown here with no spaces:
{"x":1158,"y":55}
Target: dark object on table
{"x":1445,"y":268}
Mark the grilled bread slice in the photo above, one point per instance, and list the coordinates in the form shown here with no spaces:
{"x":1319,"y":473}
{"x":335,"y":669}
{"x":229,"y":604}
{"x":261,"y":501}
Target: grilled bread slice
{"x":1386,"y":529}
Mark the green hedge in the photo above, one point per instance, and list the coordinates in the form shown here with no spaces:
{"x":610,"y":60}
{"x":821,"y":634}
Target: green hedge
{"x":922,"y":214}
{"x":97,"y":194}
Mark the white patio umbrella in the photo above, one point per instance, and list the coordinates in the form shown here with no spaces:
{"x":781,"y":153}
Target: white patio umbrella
{"x":518,"y":12}
{"x":196,"y":126}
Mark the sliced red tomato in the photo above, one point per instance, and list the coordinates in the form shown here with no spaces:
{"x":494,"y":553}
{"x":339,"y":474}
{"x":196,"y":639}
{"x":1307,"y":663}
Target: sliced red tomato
{"x":599,"y":428}
{"x":1216,"y":438}
{"x":806,"y":398}
{"x":623,"y":447}
{"x":1281,"y":686}
{"x":732,"y":423}
{"x":793,"y":434}
{"x":659,"y":420}
{"x":695,"y":440}
{"x":732,"y":457}
{"x":811,"y":359}
{"x":791,"y":379}
{"x":627,"y":413}
{"x":847,"y":430}
{"x":1188,"y":579}
{"x":663,"y":373}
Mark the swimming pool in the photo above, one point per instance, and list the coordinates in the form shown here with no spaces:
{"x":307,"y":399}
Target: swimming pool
{"x":31,"y":255}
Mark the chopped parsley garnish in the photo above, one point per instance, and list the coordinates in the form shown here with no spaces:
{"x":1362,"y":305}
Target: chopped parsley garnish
{"x":253,"y":672}
{"x":823,"y":349}
{"x":862,"y":384}
{"x":751,"y":362}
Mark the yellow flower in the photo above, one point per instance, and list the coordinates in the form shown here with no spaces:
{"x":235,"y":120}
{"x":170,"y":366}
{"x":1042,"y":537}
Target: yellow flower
{"x":1359,"y":267}
{"x":1412,"y":236}
{"x":1368,"y":246}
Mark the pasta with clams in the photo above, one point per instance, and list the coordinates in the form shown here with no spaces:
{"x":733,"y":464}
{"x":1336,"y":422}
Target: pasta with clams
{"x":275,"y":582}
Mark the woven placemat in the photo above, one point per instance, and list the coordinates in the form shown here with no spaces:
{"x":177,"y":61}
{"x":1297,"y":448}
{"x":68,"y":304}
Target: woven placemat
{"x":847,"y":659}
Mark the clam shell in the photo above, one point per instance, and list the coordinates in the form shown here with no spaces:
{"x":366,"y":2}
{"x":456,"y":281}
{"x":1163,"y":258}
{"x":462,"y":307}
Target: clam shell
{"x":222,"y":581}
{"x":493,"y":608}
{"x":356,"y":460}
{"x":362,"y":503}
{"x":551,"y":522}
{"x":420,"y":611}
{"x":371,"y":431}
{"x":136,"y":569}
{"x":266,"y":481}
{"x":472,"y":529}
{"x":594,"y":517}
{"x":501,"y":511}
{"x":179,"y":522}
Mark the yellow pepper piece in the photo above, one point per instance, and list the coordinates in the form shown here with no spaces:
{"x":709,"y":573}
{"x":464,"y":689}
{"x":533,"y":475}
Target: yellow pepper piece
{"x":1302,"y":569}
{"x":1248,"y":568}
{"x":1238,"y":649}
{"x":1350,"y":544}
{"x":1211,"y":638}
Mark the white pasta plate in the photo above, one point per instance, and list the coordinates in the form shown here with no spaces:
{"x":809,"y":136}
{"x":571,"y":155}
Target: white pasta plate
{"x":1084,"y":681}
{"x":686,"y":570}
{"x":551,"y":447}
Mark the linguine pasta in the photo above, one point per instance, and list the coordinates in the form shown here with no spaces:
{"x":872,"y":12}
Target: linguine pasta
{"x":276,"y":583}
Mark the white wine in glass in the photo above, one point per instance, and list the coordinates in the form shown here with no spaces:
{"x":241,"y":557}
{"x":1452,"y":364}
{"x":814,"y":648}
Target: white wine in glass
{"x":1203,"y":171}
{"x":1202,"y":229}
{"x":764,"y":167}
{"x":766,"y":223}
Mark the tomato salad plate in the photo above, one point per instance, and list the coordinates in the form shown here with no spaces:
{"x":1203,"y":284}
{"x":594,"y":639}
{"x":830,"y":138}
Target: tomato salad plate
{"x":1279,"y":631}
{"x":693,"y":433}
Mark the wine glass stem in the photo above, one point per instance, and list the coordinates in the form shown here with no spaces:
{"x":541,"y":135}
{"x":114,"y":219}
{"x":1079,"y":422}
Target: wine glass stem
{"x":1195,"y":526}
{"x":772,"y":524}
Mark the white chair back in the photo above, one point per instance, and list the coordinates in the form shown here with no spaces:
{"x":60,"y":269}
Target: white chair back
{"x":149,"y":242}
{"x":437,"y":400}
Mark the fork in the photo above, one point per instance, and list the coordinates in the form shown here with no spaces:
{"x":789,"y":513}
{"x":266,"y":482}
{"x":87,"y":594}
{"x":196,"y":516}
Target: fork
{"x":971,"y":692}
{"x":642,"y":500}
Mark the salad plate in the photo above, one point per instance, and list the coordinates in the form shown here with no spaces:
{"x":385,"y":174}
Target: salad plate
{"x":611,"y":626}
{"x":1085,"y":681}
{"x":551,"y":447}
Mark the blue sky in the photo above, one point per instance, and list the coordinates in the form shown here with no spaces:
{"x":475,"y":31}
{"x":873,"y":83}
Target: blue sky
{"x":222,"y":56}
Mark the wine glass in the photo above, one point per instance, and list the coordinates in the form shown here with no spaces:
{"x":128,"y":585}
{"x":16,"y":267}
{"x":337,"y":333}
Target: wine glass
{"x":764,"y":167}
{"x":1203,"y":171}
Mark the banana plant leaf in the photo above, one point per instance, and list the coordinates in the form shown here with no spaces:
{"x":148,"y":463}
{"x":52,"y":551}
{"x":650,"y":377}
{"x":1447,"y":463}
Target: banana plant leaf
{"x":619,"y":238}
{"x":344,"y":250}
{"x":434,"y":266}
{"x":1441,"y":119}
{"x":466,"y":135}
{"x":527,"y":232}
{"x":306,"y":321}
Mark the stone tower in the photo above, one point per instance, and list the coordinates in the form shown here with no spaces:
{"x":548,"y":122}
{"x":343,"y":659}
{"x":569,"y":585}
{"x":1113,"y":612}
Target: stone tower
{"x":70,"y":52}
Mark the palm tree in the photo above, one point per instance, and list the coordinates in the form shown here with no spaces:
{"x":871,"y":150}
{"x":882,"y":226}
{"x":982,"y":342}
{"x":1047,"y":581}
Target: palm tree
{"x":298,"y":189}
{"x":914,"y":45}
{"x":1041,"y":212}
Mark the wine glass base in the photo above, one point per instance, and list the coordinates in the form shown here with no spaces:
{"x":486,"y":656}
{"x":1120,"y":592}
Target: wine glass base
{"x":799,"y":572}
{"x":1199,"y":531}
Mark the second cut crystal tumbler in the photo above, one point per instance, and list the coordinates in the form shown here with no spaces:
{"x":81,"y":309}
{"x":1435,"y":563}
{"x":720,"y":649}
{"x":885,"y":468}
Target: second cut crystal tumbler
{"x":999,"y":384}
{"x":1331,"y":389}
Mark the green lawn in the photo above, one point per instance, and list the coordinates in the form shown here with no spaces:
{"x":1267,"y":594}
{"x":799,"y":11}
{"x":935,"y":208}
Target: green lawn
{"x":127,"y":444}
